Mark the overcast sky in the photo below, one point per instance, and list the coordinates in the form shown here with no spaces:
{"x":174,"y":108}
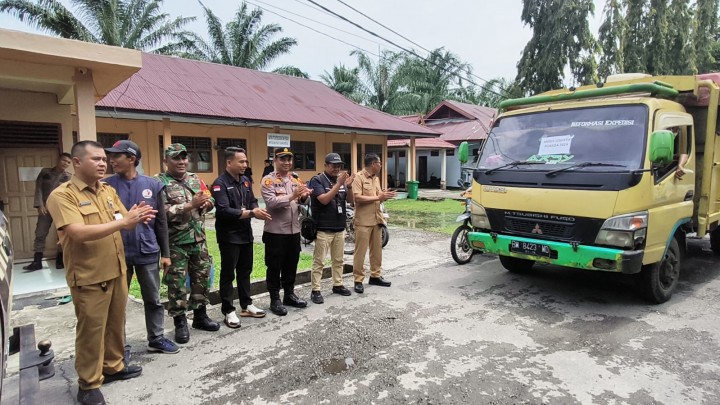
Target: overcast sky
{"x":486,"y":33}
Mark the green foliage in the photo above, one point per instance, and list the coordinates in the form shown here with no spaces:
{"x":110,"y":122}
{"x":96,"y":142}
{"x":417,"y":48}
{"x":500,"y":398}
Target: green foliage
{"x":635,"y":46}
{"x":242,"y":42}
{"x":561,"y":38}
{"x":345,"y":81}
{"x":380,"y":83}
{"x":291,"y":71}
{"x":657,"y":28}
{"x":136,"y":24}
{"x":611,"y":33}
{"x":679,"y":40}
{"x":705,"y":34}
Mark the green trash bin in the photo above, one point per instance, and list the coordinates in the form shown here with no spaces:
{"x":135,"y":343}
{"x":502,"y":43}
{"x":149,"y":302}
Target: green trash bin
{"x":412,"y":187}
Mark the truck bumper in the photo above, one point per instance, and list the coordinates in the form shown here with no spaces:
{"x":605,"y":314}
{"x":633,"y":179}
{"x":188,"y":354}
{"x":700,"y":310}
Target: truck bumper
{"x":563,"y":254}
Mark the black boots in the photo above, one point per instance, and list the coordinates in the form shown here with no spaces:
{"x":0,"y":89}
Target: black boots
{"x":59,"y":260}
{"x":201,"y":320}
{"x":182,"y":334}
{"x":36,"y":263}
{"x":276,"y":305}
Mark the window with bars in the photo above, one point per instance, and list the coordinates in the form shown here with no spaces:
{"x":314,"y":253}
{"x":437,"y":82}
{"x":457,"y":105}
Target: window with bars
{"x":345,"y":152}
{"x":107,"y":140}
{"x":304,"y":155}
{"x":199,"y":152}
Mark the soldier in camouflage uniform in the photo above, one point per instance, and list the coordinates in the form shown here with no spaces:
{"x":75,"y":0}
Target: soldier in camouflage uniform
{"x":187,"y":199}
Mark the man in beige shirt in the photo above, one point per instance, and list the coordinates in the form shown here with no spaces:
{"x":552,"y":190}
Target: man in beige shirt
{"x":89,"y":216}
{"x":368,"y":218}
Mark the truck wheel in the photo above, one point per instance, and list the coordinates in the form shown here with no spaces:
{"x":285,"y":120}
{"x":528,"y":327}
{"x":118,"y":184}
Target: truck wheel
{"x":516,"y":265}
{"x":715,"y":241}
{"x":658,"y":280}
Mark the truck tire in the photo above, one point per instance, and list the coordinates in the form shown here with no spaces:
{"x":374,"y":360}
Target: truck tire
{"x":516,"y":265}
{"x":715,"y":241}
{"x":658,"y":280}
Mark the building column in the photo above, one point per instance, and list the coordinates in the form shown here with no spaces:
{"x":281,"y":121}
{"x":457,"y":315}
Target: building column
{"x":383,"y":159}
{"x":443,"y":169}
{"x":167,"y":133}
{"x":413,"y":164}
{"x":85,"y":103}
{"x":353,"y":152}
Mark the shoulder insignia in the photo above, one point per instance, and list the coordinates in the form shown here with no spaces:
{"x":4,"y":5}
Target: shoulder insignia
{"x":278,"y":180}
{"x":247,"y":183}
{"x":267,"y":182}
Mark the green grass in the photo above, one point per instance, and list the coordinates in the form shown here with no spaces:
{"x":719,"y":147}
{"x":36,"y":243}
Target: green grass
{"x":259,"y":268}
{"x":436,"y":216}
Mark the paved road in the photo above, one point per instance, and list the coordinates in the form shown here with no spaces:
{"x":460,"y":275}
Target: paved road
{"x":442,"y":333}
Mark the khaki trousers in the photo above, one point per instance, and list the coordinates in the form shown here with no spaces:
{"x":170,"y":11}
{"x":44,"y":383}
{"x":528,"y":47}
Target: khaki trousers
{"x":367,"y":236}
{"x":100,"y":330}
{"x":335,"y":243}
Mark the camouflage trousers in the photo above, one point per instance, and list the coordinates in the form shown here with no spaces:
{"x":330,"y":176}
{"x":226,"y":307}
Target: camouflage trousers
{"x":190,"y":260}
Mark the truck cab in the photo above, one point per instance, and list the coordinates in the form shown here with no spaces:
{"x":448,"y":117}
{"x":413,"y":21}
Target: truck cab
{"x":602,"y":178}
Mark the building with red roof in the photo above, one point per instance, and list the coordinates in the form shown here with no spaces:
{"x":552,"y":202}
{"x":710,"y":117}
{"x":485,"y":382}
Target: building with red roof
{"x":456,"y":122}
{"x":209,"y":107}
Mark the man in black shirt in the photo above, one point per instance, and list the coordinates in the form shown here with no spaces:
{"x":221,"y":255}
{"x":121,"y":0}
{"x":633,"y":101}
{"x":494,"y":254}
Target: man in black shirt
{"x":330,"y":191}
{"x":235,"y":205}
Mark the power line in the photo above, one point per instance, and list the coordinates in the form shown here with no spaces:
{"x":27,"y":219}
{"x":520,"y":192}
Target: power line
{"x":315,"y":21}
{"x":410,"y":51}
{"x":488,"y":82}
{"x":312,"y":29}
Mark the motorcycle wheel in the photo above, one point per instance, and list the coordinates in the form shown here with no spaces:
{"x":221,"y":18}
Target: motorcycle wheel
{"x":460,"y":248}
{"x":385,"y":235}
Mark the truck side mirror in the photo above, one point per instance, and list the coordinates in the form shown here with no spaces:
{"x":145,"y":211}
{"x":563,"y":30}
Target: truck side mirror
{"x":662,"y":147}
{"x":463,"y":152}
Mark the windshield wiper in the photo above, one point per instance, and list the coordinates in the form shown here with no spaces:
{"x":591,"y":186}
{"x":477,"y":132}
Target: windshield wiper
{"x":583,"y":164}
{"x":513,"y":164}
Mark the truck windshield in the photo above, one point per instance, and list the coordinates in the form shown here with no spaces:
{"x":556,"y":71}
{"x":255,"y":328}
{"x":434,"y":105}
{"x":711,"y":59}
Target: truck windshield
{"x":612,"y":135}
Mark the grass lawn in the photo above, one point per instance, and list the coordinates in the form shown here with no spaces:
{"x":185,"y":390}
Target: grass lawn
{"x":258,"y":264}
{"x":437,"y":216}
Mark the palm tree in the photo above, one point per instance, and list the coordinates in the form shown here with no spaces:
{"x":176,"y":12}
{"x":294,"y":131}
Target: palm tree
{"x":380,"y":85}
{"x":243,"y":42}
{"x":136,"y":24}
{"x":430,"y":80}
{"x":345,"y":81}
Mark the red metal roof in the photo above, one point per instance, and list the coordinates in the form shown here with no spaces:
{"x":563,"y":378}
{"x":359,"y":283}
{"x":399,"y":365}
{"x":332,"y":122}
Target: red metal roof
{"x":170,"y":85}
{"x":421,"y":143}
{"x":458,"y":131}
{"x":471,"y":111}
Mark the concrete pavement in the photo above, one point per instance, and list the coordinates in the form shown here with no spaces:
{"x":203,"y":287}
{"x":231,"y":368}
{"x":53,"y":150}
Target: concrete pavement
{"x":442,"y":333}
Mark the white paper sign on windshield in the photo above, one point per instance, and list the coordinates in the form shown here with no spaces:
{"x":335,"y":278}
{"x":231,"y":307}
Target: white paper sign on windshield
{"x":555,"y":145}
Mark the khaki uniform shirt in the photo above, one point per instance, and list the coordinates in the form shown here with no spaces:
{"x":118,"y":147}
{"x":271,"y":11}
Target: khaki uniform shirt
{"x":367,"y":214}
{"x":276,"y":192}
{"x":94,"y":261}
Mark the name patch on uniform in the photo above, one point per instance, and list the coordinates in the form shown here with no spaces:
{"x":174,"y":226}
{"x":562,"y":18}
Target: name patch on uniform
{"x":230,"y":188}
{"x":216,"y":188}
{"x":147,"y":193}
{"x":85,"y":203}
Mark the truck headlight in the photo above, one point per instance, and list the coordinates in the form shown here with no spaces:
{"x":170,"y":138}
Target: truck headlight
{"x":625,"y":231}
{"x":479,"y":218}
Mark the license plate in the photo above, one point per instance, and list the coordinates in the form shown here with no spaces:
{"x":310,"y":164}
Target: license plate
{"x":530,"y":248}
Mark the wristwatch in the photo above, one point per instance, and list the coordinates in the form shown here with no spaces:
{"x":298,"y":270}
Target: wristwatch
{"x":252,"y":214}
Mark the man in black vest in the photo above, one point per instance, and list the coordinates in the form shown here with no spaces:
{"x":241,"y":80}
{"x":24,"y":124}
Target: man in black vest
{"x":330,"y":191}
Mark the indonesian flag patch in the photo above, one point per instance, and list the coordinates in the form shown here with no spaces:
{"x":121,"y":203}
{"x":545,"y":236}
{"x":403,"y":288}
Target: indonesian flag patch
{"x":216,"y":188}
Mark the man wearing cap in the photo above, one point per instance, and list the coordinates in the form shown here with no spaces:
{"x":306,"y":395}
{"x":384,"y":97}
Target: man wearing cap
{"x":186,"y":199}
{"x":147,"y":244}
{"x":89,"y":215}
{"x":47,"y":180}
{"x":368,"y":220}
{"x":281,"y":191}
{"x":330,"y":192}
{"x":235,"y":206}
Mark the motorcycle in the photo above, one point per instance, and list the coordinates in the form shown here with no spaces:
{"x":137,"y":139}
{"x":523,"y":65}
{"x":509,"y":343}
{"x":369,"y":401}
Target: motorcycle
{"x":350,"y":228}
{"x":460,"y":248}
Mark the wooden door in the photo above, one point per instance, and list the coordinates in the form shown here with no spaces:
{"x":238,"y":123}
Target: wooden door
{"x":422,"y":170}
{"x":17,"y":191}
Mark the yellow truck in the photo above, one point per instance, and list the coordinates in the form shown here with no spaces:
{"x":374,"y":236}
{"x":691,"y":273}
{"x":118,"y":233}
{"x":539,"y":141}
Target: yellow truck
{"x":611,"y":177}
